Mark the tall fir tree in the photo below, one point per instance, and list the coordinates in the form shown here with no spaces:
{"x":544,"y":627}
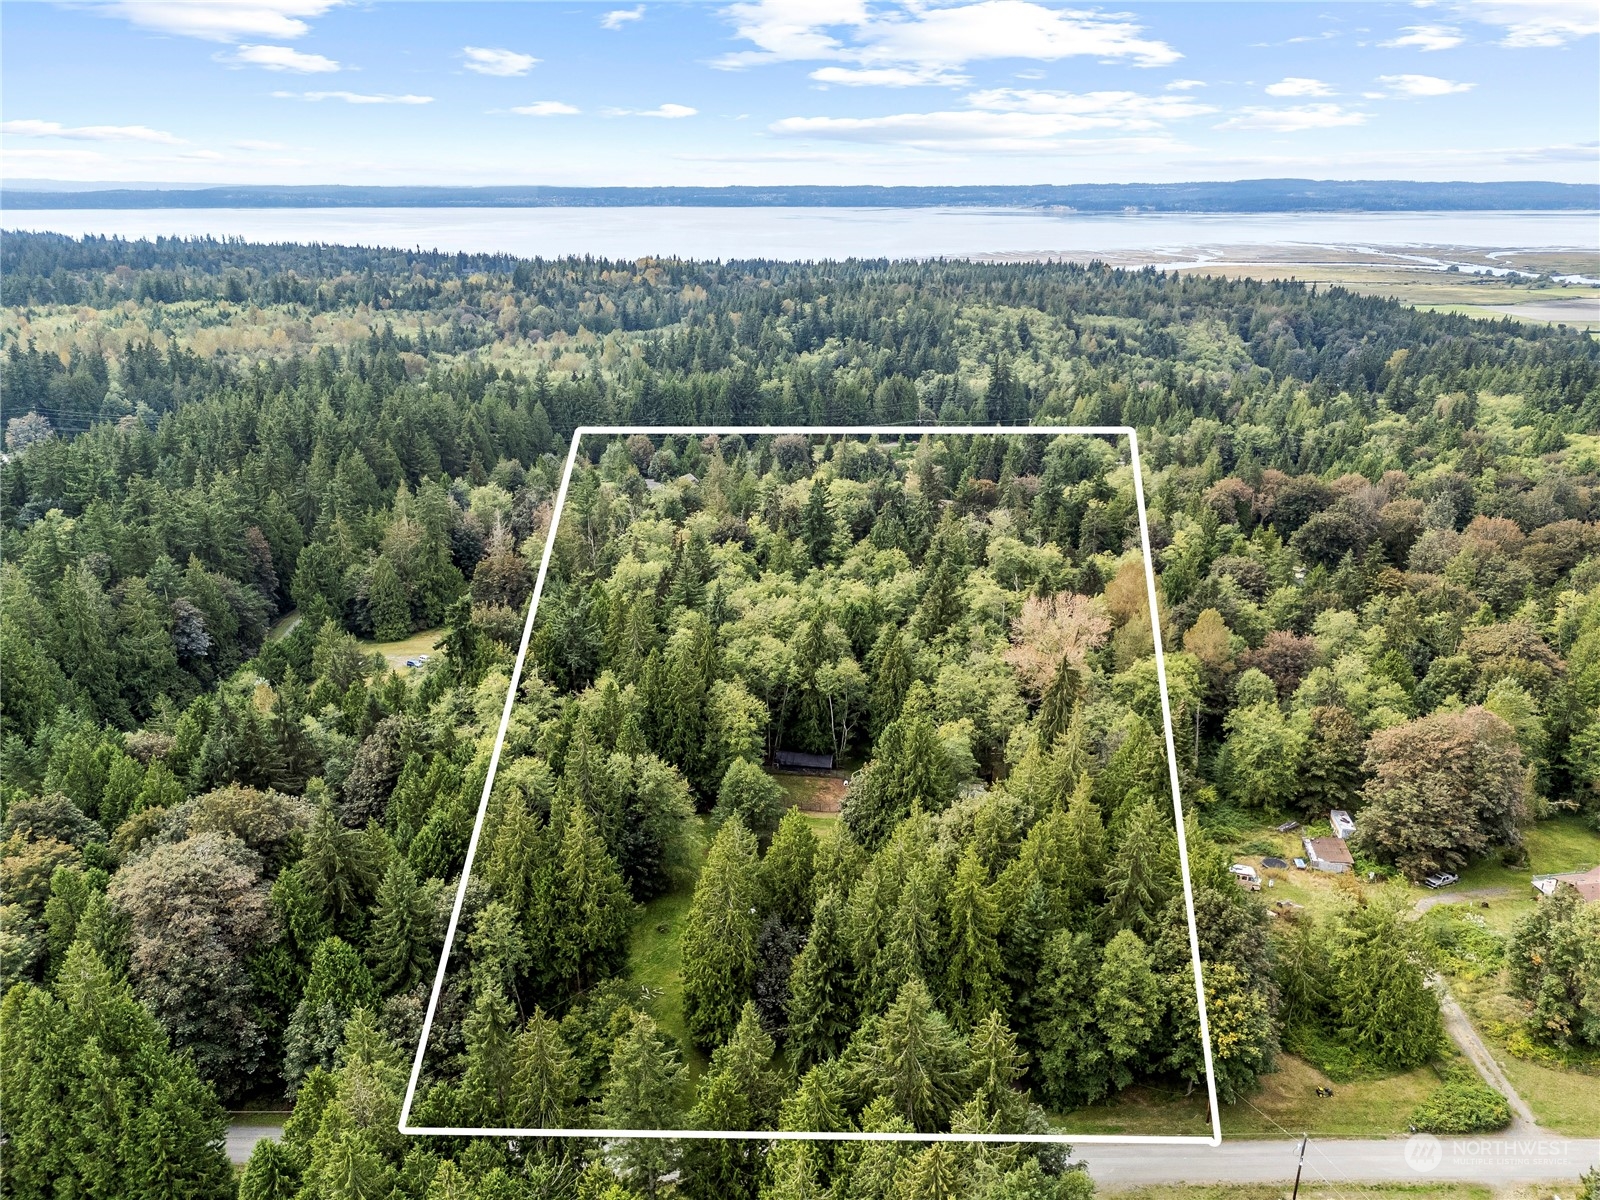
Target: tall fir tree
{"x":822,"y":1006}
{"x":643,"y":1079}
{"x":399,"y":948}
{"x":719,"y":939}
{"x":972,"y":968}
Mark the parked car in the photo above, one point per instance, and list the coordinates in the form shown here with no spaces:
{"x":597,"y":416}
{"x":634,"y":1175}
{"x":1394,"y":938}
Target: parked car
{"x":1441,"y":879}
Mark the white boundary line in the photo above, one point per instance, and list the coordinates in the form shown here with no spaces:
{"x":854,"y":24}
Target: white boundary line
{"x":919,"y":431}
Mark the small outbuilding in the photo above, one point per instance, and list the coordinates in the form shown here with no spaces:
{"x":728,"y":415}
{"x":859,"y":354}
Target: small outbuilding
{"x":793,"y":760}
{"x":1344,"y":825}
{"x":1328,"y":854}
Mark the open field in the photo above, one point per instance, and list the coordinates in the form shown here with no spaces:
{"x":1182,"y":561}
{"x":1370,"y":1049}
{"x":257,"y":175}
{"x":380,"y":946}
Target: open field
{"x":813,"y":794}
{"x":1286,"y":1105}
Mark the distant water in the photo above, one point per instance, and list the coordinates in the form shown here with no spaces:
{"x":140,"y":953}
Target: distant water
{"x":816,"y":233}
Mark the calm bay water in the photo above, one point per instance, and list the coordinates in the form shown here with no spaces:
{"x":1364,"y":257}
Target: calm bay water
{"x":814,"y":233}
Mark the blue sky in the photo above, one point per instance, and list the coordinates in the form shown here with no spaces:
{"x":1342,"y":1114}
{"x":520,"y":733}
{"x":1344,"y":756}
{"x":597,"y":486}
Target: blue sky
{"x":797,"y":91}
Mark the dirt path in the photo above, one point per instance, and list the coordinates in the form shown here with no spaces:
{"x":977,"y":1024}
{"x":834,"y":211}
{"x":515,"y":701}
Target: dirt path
{"x":1465,"y":1035}
{"x":1460,"y":1027}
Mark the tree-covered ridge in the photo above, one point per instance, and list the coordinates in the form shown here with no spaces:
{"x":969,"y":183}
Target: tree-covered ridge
{"x":1375,"y":533}
{"x":1003,"y":879}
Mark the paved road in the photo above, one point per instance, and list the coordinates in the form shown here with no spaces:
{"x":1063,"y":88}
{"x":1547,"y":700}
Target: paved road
{"x":243,"y":1138}
{"x":1493,"y":1160}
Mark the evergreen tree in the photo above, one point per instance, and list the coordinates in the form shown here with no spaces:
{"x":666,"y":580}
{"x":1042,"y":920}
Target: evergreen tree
{"x":997,"y":1067}
{"x":1137,"y":877}
{"x":399,"y":949}
{"x":593,"y":912}
{"x":719,"y":939}
{"x":270,"y":1174}
{"x":643,"y":1080}
{"x":821,"y":988}
{"x":1127,"y":1004}
{"x":817,"y":523}
{"x":909,"y":773}
{"x":972,"y":955}
{"x":545,"y":1084}
{"x":913,"y":1058}
{"x":1386,"y":1011}
{"x":388,"y":602}
{"x":679,"y":721}
{"x":337,"y":868}
{"x":1083,"y":850}
{"x":740,"y":1092}
{"x":96,"y":1103}
{"x":486,"y":1095}
{"x":788,"y":872}
{"x":891,"y":678}
{"x":1058,"y":704}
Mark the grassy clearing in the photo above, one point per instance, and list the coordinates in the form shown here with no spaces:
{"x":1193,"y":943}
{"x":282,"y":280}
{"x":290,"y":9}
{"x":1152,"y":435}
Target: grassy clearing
{"x":812,"y":793}
{"x":396,"y":653}
{"x":257,"y":1116}
{"x":1286,"y":1105}
{"x":655,"y":967}
{"x":655,"y":962}
{"x":1562,"y":1099}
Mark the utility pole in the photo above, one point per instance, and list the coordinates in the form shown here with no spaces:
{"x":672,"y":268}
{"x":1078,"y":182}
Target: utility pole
{"x":1298,"y":1167}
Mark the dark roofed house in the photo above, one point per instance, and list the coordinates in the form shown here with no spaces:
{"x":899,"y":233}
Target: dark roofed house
{"x":1328,"y":854}
{"x":796,"y":761}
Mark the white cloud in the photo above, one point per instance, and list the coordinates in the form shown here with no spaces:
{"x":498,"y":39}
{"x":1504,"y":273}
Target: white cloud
{"x":618,"y":17}
{"x":1423,"y":85}
{"x":1296,"y":119}
{"x":928,"y":39}
{"x":1298,"y":85}
{"x":1536,"y":23}
{"x":885,"y":76}
{"x":88,"y":133}
{"x":280,"y":58}
{"x":667,"y":112}
{"x":1427,"y":37}
{"x":1028,"y":132}
{"x":1092,"y":110}
{"x":224,"y":20}
{"x":252,"y":144}
{"x":545,"y":108}
{"x":1185,"y":85}
{"x":355,"y":97}
{"x":486,"y":61}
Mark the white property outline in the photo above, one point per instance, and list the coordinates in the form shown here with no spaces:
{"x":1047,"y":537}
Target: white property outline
{"x":903,"y":431}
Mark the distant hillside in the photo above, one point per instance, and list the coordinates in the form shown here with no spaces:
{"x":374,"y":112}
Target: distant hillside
{"x":1248,"y":195}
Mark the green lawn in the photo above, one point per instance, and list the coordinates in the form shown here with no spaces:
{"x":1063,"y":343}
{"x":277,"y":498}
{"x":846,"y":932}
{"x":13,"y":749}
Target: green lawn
{"x":655,"y":964}
{"x":425,"y":642}
{"x":1286,"y":1105}
{"x":655,"y":967}
{"x":1562,"y":1099}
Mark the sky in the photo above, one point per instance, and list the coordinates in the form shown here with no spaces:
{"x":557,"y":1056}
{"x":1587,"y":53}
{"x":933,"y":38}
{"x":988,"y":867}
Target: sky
{"x":797,"y":91}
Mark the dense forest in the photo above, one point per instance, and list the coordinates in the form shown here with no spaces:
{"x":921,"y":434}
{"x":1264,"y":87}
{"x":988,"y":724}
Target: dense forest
{"x":233,"y":829}
{"x":836,"y":600}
